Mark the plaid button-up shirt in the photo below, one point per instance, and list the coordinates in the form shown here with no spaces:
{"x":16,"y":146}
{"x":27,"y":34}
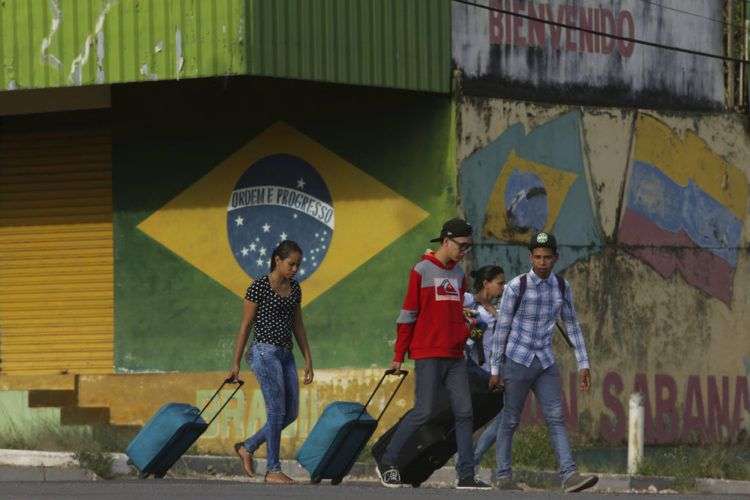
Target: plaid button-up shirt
{"x":529,"y":332}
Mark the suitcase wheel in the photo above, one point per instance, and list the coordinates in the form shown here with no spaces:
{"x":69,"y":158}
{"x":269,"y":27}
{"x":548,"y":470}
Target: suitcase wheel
{"x":315,"y":480}
{"x":336,"y":480}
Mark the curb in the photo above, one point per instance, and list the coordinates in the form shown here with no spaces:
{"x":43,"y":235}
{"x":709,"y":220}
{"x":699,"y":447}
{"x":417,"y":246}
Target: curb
{"x":13,"y":473}
{"x":22,"y":465}
{"x":25,"y":465}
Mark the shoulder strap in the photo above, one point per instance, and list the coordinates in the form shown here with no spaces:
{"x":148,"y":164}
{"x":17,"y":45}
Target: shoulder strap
{"x":519,"y":297}
{"x":561,"y":286}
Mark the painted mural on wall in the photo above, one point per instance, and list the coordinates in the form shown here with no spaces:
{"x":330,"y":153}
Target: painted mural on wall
{"x":528,"y":181}
{"x":282,"y":185}
{"x":511,"y":48}
{"x":681,"y":195}
{"x":362,"y":194}
{"x":651,"y":212}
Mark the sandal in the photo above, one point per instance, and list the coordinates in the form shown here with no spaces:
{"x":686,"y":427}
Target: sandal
{"x":246,"y":457}
{"x":278,"y":478}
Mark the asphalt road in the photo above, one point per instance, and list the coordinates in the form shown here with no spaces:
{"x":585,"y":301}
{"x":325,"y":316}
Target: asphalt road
{"x":201,"y":489}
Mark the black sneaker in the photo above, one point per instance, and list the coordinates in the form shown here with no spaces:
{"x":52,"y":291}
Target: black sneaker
{"x":577,"y":482}
{"x":506,"y":484}
{"x":472,"y":483}
{"x":390,"y":477}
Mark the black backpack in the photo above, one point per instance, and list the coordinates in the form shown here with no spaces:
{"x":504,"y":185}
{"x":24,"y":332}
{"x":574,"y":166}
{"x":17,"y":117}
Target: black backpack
{"x":519,"y":298}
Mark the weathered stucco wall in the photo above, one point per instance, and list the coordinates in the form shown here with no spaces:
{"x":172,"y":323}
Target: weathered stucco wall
{"x":650,"y":209}
{"x":512,"y":49}
{"x":651,"y":213}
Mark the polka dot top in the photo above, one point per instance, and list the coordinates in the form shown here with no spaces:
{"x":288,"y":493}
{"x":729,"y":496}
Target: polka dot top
{"x":274,"y":319}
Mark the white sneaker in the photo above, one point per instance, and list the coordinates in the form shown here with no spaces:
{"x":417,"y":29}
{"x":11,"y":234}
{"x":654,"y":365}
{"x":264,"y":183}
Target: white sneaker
{"x":390,"y":478}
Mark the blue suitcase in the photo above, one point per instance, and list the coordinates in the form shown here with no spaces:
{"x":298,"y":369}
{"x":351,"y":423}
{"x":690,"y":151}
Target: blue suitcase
{"x":168,"y":434}
{"x":332,"y":447}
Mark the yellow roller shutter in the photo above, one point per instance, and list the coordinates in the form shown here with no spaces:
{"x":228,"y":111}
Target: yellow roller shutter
{"x":56,"y":256}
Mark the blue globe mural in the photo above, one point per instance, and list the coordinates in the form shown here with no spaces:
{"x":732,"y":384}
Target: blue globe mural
{"x":279,"y":197}
{"x":526,"y":202}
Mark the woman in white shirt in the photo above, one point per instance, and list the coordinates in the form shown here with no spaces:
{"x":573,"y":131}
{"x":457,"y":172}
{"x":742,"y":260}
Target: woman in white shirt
{"x":489,"y":282}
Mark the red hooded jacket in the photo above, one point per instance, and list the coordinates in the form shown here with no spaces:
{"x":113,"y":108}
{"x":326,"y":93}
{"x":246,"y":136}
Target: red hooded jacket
{"x":431,"y":323}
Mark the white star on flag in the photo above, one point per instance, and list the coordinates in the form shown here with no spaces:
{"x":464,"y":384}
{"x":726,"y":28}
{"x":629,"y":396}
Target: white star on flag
{"x":302,"y":271}
{"x":259,"y":262}
{"x":244,"y":251}
{"x":239,"y":220}
{"x":294,"y":216}
{"x":253,"y":247}
{"x":266,"y":227}
{"x":262,"y":251}
{"x":301,"y":183}
{"x":283,"y":236}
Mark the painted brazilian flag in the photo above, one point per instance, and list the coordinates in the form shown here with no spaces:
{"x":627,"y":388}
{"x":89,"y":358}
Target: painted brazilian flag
{"x":361,"y":187}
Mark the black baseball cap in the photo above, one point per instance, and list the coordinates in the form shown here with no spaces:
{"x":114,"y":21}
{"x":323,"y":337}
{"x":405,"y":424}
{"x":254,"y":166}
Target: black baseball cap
{"x":543,"y":240}
{"x":454,"y":228}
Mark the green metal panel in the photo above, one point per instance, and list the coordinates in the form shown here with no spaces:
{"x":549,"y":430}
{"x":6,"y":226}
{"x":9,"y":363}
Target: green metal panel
{"x":55,"y":43}
{"x":385,"y":43}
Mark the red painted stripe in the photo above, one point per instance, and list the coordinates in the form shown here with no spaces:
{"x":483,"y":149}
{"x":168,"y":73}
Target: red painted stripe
{"x":669,"y":252}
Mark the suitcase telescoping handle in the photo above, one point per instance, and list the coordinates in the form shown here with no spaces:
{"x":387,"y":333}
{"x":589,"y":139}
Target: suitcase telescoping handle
{"x":226,"y":381}
{"x":399,"y":373}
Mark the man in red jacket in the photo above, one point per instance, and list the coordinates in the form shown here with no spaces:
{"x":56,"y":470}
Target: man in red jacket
{"x":431,"y":328}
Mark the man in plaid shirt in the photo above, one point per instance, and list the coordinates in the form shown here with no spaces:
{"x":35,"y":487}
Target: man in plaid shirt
{"x":522,"y":360}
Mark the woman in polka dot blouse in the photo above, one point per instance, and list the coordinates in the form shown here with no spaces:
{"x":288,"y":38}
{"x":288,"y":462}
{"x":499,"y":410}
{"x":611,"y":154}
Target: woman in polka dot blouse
{"x":272,"y":305}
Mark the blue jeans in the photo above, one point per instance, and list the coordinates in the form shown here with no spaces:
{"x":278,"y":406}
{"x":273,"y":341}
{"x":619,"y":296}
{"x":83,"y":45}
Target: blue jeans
{"x":277,"y":375}
{"x":547,"y":387}
{"x":486,"y":440}
{"x":435,"y":377}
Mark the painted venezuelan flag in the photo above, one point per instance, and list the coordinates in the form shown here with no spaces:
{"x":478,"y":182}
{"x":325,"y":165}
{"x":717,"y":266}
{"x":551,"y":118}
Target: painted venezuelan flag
{"x":684,"y":209}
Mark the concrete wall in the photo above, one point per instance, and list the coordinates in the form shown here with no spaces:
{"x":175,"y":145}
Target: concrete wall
{"x":193,"y":166}
{"x":245,"y":414}
{"x":506,"y":48}
{"x":650,"y":209}
{"x":651,"y":213}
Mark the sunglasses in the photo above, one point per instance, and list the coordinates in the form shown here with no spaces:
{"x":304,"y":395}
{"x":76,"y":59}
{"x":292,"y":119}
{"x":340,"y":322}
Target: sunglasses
{"x":464,"y":247}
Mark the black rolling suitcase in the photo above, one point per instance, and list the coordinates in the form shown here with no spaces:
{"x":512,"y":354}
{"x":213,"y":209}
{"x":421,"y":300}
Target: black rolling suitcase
{"x":434,"y":443}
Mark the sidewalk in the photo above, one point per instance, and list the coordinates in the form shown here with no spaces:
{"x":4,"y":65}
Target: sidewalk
{"x":22,"y":465}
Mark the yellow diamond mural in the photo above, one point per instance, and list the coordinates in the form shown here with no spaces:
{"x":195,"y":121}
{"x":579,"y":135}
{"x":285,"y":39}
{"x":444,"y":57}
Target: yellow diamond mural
{"x":526,"y":194}
{"x":282,"y":185}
